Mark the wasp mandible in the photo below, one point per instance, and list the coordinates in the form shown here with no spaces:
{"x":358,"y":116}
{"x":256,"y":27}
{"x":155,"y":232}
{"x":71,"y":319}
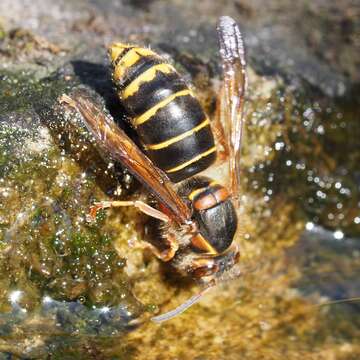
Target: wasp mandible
{"x":198,"y":214}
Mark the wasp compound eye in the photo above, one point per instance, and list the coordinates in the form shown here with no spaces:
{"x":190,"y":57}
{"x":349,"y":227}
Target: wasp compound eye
{"x":203,"y":271}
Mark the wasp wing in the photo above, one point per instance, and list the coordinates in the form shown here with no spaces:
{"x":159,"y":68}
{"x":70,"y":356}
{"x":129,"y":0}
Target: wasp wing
{"x":232,"y":99}
{"x":114,"y":140}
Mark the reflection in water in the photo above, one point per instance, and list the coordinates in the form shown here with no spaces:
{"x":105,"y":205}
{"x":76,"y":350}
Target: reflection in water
{"x":64,"y":317}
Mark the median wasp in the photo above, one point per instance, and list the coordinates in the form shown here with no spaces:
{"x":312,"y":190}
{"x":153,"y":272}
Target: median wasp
{"x":198,"y":215}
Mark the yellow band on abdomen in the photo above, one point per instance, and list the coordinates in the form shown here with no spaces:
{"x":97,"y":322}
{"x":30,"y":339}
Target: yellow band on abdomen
{"x":193,"y":160}
{"x":196,"y":192}
{"x":175,"y":139}
{"x":131,"y":58}
{"x":151,"y":112}
{"x":146,"y":76}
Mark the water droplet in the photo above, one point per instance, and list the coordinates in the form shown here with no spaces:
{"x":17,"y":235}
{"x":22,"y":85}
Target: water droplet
{"x":309,"y":226}
{"x":15,"y":296}
{"x":338,"y":235}
{"x":320,"y":194}
{"x":338,"y":185}
{"x":320,"y":130}
{"x":47,"y":300}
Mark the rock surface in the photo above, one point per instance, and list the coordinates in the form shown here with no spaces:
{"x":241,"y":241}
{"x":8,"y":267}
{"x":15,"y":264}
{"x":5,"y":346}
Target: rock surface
{"x":65,"y":280}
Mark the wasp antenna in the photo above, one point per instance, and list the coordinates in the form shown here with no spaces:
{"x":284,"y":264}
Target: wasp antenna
{"x":340,"y":301}
{"x":180,"y":309}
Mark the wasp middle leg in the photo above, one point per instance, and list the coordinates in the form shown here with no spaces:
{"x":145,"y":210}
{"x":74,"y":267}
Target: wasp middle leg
{"x":172,"y":245}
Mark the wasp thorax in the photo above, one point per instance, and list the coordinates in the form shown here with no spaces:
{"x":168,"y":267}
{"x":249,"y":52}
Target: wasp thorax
{"x":214,"y":214}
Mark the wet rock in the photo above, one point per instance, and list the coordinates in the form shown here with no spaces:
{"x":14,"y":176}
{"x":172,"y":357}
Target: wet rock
{"x":49,"y":250}
{"x":77,"y":288}
{"x":319,"y":249}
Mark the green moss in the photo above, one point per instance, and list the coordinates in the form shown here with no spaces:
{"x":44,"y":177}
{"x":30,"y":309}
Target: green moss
{"x":53,"y":250}
{"x":17,"y":90}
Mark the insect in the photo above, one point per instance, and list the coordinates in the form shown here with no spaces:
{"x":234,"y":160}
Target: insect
{"x":198,"y":215}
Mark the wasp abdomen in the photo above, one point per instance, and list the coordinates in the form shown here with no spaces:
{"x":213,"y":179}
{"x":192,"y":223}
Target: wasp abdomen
{"x":171,"y":124}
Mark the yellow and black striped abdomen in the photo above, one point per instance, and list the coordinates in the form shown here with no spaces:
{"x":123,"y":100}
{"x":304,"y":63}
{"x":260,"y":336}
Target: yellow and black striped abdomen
{"x":171,"y":124}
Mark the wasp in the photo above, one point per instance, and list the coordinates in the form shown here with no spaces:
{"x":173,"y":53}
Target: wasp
{"x":198,"y":214}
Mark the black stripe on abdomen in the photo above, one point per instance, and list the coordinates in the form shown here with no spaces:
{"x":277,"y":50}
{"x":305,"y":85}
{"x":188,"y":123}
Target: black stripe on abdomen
{"x":183,"y":150}
{"x":152,"y":92}
{"x":192,"y":169}
{"x":116,"y":62}
{"x":180,"y":115}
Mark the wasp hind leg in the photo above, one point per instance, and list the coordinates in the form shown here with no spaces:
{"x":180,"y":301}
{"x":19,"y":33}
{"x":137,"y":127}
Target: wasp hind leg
{"x":143,"y":207}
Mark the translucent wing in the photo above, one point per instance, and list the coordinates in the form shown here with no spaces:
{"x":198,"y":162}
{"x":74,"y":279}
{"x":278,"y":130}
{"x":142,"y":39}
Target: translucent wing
{"x":232,"y":99}
{"x":114,"y":140}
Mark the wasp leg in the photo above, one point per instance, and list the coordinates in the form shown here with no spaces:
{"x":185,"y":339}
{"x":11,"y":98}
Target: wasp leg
{"x":143,"y":207}
{"x":164,"y":255}
{"x":168,"y":253}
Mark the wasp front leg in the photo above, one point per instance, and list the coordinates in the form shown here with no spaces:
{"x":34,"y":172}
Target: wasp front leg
{"x":168,"y":253}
